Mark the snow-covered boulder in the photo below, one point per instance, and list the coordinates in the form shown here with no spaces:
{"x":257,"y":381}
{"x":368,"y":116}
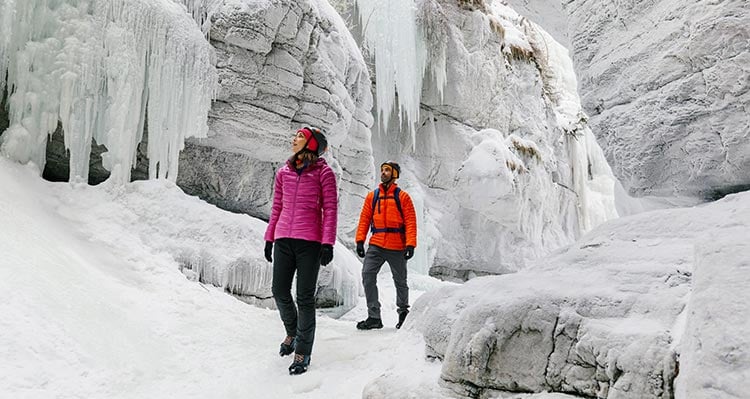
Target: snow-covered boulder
{"x":282,"y":65}
{"x":607,"y":317}
{"x":715,"y":359}
{"x":207,"y":244}
{"x":666,"y":85}
{"x":500,"y":158}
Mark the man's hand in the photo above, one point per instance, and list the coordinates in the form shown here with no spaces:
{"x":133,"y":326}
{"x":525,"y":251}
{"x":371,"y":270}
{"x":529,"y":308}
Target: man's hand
{"x":268,"y":250}
{"x":326,"y":254}
{"x":361,"y":249}
{"x":409,"y":252}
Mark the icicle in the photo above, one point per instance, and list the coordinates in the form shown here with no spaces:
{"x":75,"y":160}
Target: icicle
{"x":346,"y":284}
{"x":201,"y":11}
{"x":593,"y":180}
{"x":391,"y":33}
{"x":434,"y":28}
{"x":97,"y":66}
{"x":246,"y":276}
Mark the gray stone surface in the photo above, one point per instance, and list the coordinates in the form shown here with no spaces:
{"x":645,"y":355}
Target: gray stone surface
{"x":596,"y":320}
{"x":667,"y":86}
{"x":647,"y":306}
{"x":282,"y":65}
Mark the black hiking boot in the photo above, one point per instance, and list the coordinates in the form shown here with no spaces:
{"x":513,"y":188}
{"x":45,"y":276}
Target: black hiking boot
{"x":287,"y":347}
{"x":369,"y":324}
{"x":300,"y":364}
{"x":401,"y":317}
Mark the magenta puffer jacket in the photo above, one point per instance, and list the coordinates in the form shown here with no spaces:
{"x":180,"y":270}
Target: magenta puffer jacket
{"x":305,"y":205}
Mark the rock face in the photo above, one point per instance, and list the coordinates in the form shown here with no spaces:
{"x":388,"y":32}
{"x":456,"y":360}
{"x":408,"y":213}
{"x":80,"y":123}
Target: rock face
{"x":715,"y":358}
{"x":282,"y":65}
{"x":606,"y":317}
{"x":667,"y":86}
{"x":502,"y":163}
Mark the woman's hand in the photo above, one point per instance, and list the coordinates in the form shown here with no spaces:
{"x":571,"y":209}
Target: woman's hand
{"x":326,"y":254}
{"x":268,"y":250}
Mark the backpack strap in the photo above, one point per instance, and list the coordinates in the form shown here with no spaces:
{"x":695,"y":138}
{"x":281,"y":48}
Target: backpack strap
{"x":375,"y":198}
{"x":396,"y":197}
{"x":376,"y":201}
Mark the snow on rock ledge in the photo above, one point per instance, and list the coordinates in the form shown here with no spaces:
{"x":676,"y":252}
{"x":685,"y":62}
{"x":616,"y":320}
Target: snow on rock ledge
{"x":666,"y":85}
{"x":208,"y":244}
{"x":282,"y":65}
{"x":605,"y":318}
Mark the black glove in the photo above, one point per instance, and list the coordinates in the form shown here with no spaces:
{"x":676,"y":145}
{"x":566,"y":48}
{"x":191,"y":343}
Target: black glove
{"x":269,"y":248}
{"x":409,"y":252}
{"x":326,"y":254}
{"x":361,"y":249}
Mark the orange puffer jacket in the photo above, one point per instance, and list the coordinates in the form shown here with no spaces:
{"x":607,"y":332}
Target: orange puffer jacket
{"x":386,"y":215}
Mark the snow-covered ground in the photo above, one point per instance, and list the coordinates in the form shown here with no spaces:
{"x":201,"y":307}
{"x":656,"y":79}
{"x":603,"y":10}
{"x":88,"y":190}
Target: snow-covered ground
{"x":92,"y":310}
{"x":94,"y":304}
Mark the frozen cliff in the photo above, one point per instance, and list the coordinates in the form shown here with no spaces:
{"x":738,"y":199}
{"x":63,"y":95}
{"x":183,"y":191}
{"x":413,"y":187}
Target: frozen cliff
{"x":496,"y":146}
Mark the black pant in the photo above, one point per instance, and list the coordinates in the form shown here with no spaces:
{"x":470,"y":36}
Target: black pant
{"x":374,"y":260}
{"x":290,"y":255}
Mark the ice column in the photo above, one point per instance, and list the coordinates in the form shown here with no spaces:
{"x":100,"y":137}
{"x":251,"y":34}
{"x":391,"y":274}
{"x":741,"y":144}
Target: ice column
{"x":593,"y":180}
{"x":201,"y":11}
{"x":391,"y":35}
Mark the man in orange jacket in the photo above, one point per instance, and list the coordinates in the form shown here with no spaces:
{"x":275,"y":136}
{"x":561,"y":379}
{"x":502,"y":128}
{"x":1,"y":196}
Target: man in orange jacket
{"x":388,"y":213}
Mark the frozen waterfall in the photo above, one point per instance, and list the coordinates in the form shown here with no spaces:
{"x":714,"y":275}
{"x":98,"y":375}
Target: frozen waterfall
{"x":105,"y":70}
{"x":398,"y":46}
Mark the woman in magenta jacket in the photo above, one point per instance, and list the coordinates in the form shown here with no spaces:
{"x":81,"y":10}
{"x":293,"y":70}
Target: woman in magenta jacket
{"x":303,"y":228}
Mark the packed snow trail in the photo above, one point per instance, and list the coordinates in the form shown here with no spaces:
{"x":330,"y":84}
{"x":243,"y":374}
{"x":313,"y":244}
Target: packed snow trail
{"x":107,"y":316}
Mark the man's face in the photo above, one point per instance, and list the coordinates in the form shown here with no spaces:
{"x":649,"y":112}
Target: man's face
{"x":386,"y":173}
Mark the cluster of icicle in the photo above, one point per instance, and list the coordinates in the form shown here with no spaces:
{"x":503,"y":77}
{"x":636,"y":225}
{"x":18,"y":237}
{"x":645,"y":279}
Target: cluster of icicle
{"x":398,"y":48}
{"x":405,"y":36}
{"x":248,"y":278}
{"x":105,"y":70}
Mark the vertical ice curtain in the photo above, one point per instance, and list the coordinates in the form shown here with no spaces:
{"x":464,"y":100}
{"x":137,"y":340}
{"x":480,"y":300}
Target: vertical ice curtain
{"x":104,"y":69}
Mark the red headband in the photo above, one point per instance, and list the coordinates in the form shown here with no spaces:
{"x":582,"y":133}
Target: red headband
{"x":312,"y":144}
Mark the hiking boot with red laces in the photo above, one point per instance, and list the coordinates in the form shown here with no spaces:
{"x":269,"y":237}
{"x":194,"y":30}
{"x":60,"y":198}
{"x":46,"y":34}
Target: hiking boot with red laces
{"x":287,"y":347}
{"x":300,"y":364}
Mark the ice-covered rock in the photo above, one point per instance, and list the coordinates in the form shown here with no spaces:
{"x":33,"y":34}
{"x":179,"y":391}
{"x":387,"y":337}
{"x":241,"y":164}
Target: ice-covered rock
{"x":667,"y":87}
{"x":500,"y":155}
{"x":607,"y":317}
{"x":282,"y":65}
{"x":207,"y":244}
{"x":715,"y":359}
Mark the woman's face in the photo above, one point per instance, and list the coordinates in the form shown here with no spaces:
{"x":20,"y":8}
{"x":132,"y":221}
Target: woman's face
{"x":298,"y":142}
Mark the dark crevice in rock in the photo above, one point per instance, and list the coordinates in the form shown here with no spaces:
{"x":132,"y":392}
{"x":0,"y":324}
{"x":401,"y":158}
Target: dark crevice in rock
{"x":670,"y":378}
{"x":258,"y":297}
{"x":450,"y":273}
{"x":435,"y":111}
{"x":431,"y":353}
{"x":464,"y":387}
{"x":552,"y":350}
{"x":57,"y":164}
{"x":721,"y":192}
{"x":4,"y":117}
